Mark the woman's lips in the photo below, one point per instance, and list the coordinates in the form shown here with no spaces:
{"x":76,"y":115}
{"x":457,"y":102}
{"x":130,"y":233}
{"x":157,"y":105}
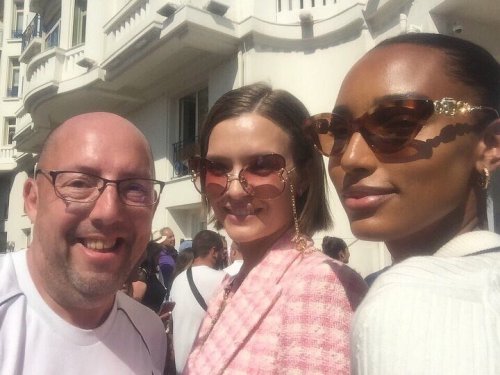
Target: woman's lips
{"x":240,"y":213}
{"x":366,"y":198}
{"x":240,"y":210}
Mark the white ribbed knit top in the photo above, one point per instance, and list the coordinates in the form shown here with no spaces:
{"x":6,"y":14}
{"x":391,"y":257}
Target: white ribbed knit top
{"x":433,"y":315}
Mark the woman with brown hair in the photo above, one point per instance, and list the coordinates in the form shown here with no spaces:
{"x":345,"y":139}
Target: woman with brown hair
{"x":290,"y":306}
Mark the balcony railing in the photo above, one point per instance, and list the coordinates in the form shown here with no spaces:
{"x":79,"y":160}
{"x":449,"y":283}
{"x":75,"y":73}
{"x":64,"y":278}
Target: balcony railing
{"x":34,"y":30}
{"x":7,"y":152}
{"x":183,"y":150}
{"x":52,"y":38}
{"x":13,"y":92}
{"x":294,"y":5}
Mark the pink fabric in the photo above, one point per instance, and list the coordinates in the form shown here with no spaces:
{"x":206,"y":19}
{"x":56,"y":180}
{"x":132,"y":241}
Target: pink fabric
{"x":291,"y":315}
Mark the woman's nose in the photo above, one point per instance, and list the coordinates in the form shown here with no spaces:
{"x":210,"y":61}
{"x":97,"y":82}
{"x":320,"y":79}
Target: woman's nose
{"x":358,"y":154}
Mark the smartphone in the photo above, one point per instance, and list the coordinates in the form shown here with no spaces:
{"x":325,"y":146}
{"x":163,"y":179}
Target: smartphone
{"x":166,"y":307}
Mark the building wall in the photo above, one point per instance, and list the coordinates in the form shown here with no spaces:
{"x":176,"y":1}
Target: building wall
{"x":254,"y":41}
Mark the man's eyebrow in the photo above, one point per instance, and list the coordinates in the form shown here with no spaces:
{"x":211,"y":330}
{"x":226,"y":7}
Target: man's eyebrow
{"x":95,"y":172}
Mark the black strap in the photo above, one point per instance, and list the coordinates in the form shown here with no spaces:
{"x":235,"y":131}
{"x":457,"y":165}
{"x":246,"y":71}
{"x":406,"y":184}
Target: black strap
{"x":195,"y":291}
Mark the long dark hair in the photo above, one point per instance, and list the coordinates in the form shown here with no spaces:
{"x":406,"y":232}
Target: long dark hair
{"x":150,"y":263}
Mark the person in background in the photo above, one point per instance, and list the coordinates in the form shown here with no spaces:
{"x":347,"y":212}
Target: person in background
{"x":184,"y":259}
{"x":192,"y":290}
{"x":370,"y":279}
{"x":146,"y":287}
{"x":289,"y":308}
{"x":412,"y":144}
{"x":91,"y":201}
{"x":185,"y":244}
{"x":165,"y":237}
{"x":336,"y":248}
{"x":235,"y":260}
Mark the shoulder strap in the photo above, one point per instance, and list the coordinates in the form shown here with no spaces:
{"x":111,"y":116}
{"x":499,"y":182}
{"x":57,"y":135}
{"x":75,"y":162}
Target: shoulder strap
{"x":195,"y":291}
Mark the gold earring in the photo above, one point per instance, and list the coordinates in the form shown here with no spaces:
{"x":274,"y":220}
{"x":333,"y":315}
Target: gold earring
{"x":484,"y":179}
{"x":299,"y":239}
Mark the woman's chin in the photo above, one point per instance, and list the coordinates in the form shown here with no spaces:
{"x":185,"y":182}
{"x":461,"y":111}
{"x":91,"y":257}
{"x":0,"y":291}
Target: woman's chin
{"x":367,"y":230}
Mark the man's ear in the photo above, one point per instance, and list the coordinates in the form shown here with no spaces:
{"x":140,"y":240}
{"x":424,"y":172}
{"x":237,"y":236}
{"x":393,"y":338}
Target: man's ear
{"x":30,"y":195}
{"x":489,"y":147}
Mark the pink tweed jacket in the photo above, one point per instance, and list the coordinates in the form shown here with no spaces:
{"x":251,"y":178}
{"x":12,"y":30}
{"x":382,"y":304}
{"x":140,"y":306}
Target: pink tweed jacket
{"x":291,"y":315}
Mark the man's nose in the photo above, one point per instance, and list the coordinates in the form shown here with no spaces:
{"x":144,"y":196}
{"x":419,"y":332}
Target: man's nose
{"x":108,"y":207}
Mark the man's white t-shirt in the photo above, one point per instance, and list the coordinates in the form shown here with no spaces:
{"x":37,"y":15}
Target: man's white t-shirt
{"x":188,"y":314}
{"x":35,"y":340}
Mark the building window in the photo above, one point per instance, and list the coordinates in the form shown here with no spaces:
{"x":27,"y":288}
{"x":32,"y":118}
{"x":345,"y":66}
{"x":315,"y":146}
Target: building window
{"x":193,"y":110}
{"x":9,"y":130}
{"x":3,"y":242}
{"x":17,"y":19}
{"x":79,"y":22}
{"x":13,"y":88}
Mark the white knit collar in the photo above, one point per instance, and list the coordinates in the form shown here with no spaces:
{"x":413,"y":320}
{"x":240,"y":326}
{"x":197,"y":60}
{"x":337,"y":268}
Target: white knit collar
{"x":469,"y":243}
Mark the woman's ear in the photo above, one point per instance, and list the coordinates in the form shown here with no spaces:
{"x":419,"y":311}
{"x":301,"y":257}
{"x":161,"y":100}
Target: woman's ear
{"x":489,"y":147}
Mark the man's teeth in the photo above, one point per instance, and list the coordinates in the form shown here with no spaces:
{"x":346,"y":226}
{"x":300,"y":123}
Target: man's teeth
{"x":99,"y":244}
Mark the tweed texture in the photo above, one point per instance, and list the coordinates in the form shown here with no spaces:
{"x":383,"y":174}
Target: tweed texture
{"x":291,"y":315}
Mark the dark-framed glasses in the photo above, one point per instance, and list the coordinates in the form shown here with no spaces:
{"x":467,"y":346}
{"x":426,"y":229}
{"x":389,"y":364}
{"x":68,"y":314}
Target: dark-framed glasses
{"x":388,"y":127}
{"x":85,"y":188}
{"x":264,"y":177}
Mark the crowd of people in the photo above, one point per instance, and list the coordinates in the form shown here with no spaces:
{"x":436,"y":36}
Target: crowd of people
{"x":411,"y":146}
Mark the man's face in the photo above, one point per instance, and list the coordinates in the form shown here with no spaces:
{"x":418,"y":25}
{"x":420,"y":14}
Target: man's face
{"x":170,"y":240}
{"x":83,"y":252}
{"x":344,"y":255}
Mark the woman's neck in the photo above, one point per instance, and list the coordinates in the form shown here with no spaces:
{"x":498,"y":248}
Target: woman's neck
{"x":253,"y":252}
{"x":431,"y":239}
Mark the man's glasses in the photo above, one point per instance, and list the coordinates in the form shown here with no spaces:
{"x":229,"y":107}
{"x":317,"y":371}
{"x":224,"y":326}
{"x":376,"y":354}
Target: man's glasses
{"x":263,"y":178}
{"x":85,"y":188}
{"x":388,"y":127}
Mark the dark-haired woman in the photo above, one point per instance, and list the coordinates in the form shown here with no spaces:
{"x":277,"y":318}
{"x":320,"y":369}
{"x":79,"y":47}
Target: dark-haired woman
{"x":289,"y":308}
{"x":146,"y":288}
{"x":412,"y":142}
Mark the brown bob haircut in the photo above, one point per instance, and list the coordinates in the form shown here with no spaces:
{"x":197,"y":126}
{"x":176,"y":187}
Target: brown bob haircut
{"x":286,"y":111}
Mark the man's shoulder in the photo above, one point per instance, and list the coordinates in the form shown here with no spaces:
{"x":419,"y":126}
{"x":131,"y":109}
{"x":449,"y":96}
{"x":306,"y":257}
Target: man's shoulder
{"x":205,"y":271}
{"x":139,"y":315}
{"x":9,"y":287}
{"x":146,"y":322}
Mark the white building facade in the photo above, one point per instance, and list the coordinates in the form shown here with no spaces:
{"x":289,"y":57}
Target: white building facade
{"x":162,"y":64}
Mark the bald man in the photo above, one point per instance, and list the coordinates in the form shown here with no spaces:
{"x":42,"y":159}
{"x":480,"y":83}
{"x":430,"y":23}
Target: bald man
{"x":91,"y":202}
